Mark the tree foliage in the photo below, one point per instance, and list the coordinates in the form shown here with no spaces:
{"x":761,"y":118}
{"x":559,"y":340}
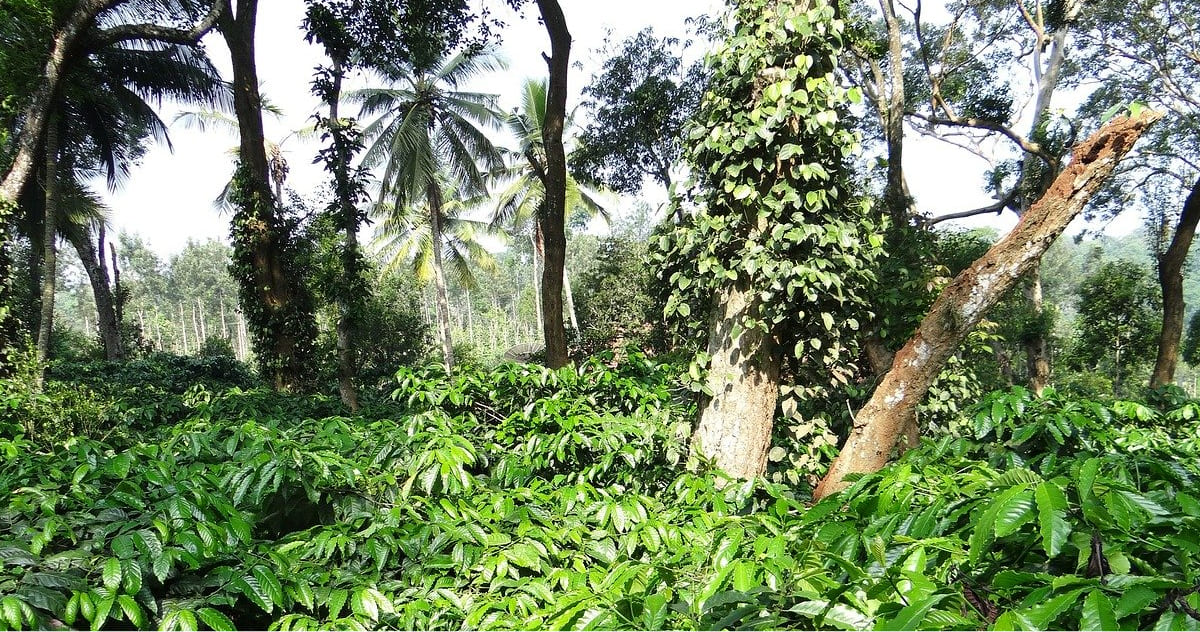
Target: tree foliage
{"x":776,"y":203}
{"x":639,"y":103}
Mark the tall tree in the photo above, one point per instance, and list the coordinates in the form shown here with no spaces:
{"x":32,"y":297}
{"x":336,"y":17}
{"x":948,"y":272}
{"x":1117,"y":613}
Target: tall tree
{"x":1149,"y":50}
{"x":553,"y":216}
{"x":274,"y":297}
{"x":780,"y":248}
{"x":965,"y":301}
{"x":82,"y":26}
{"x":639,"y":102}
{"x":427,"y":127}
{"x":520,"y":202}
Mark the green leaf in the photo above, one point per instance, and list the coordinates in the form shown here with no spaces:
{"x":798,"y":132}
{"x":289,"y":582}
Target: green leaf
{"x":1013,"y":620}
{"x":1097,"y":613}
{"x":1047,"y":612}
{"x":270,"y":584}
{"x":1133,"y":600}
{"x":839,"y":615}
{"x":133,"y":612}
{"x":654,"y":611}
{"x":102,"y":610}
{"x":1014,"y":511}
{"x":742,"y":191}
{"x":111,"y":573}
{"x":911,"y":616}
{"x":1087,"y":477}
{"x":215,"y":619}
{"x":1052,"y":512}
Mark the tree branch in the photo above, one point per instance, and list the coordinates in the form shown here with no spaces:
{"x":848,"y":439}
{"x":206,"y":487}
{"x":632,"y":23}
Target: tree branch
{"x":160,"y":33}
{"x":991,"y":126}
{"x":997,"y":207}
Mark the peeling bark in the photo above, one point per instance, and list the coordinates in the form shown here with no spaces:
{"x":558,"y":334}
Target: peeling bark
{"x":965,"y":301}
{"x":1170,"y":279}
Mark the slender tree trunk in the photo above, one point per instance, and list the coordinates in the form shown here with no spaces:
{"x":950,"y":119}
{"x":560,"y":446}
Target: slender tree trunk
{"x":536,"y":242}
{"x":570,"y":301}
{"x":1037,"y":349}
{"x":349,"y":298}
{"x":49,"y":252}
{"x":965,"y":301}
{"x":37,"y":111}
{"x":735,"y":425}
{"x":1170,"y":279}
{"x":92,"y":257}
{"x":553,"y":218}
{"x":183,"y":328}
{"x":439,"y":276}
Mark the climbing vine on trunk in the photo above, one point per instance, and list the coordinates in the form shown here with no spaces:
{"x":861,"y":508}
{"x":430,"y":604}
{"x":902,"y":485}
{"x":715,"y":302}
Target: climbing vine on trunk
{"x":781,"y":236}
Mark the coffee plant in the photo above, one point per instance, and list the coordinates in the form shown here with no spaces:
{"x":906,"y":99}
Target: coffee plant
{"x":525,"y":498}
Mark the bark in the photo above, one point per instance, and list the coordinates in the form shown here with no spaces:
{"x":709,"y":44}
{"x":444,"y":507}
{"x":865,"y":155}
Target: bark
{"x":1170,"y":279}
{"x":49,"y":265}
{"x":439,"y":275}
{"x":553,"y":217}
{"x":92,"y":257}
{"x":570,"y":300}
{"x":965,"y":301}
{"x":1037,"y":349}
{"x":347,"y":309}
{"x":269,"y":285}
{"x":735,"y":425}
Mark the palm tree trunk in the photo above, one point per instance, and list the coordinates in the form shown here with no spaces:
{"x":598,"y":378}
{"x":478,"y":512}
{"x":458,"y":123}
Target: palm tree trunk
{"x":570,"y":301}
{"x":536,"y":241}
{"x":49,"y":254}
{"x":439,"y":276}
{"x":92,"y":257}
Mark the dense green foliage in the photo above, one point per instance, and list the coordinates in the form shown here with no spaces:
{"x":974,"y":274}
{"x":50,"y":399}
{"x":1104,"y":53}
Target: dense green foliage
{"x":523,"y":498}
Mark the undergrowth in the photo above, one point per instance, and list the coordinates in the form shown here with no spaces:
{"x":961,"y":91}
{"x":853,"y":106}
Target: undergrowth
{"x":523,"y":498}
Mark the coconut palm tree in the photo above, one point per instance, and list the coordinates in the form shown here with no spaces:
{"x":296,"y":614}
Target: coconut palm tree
{"x":429,"y":136}
{"x":99,"y":125}
{"x":523,"y":192}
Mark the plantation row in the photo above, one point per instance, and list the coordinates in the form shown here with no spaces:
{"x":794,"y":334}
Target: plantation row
{"x":525,"y":498}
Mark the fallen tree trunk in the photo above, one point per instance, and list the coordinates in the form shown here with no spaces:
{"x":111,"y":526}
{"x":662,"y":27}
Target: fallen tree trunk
{"x":965,"y":301}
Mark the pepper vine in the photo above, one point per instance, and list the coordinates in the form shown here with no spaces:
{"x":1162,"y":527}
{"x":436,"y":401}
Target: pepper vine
{"x":775,"y":200}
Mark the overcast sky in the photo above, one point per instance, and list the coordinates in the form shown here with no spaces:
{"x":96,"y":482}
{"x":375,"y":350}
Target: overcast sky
{"x":168,"y":199}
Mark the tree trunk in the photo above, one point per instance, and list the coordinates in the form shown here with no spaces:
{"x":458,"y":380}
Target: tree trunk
{"x":49,"y":265}
{"x":965,"y":301}
{"x":275,"y":300}
{"x":1037,"y":350}
{"x":349,"y":297}
{"x":92,"y":257}
{"x":570,"y":301}
{"x":1170,"y":279}
{"x":553,"y":217}
{"x":735,"y":425}
{"x":439,"y":276}
{"x":538,"y":266}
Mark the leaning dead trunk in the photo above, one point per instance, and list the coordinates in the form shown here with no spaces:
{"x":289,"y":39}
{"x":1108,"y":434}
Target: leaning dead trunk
{"x":743,"y":376}
{"x":1170,"y":278}
{"x":968,"y":297}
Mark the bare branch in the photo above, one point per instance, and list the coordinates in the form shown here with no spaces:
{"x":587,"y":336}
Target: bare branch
{"x":991,"y":126}
{"x":997,"y":208}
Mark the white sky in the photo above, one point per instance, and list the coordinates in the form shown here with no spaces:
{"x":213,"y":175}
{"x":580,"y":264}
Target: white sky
{"x":168,"y":199}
